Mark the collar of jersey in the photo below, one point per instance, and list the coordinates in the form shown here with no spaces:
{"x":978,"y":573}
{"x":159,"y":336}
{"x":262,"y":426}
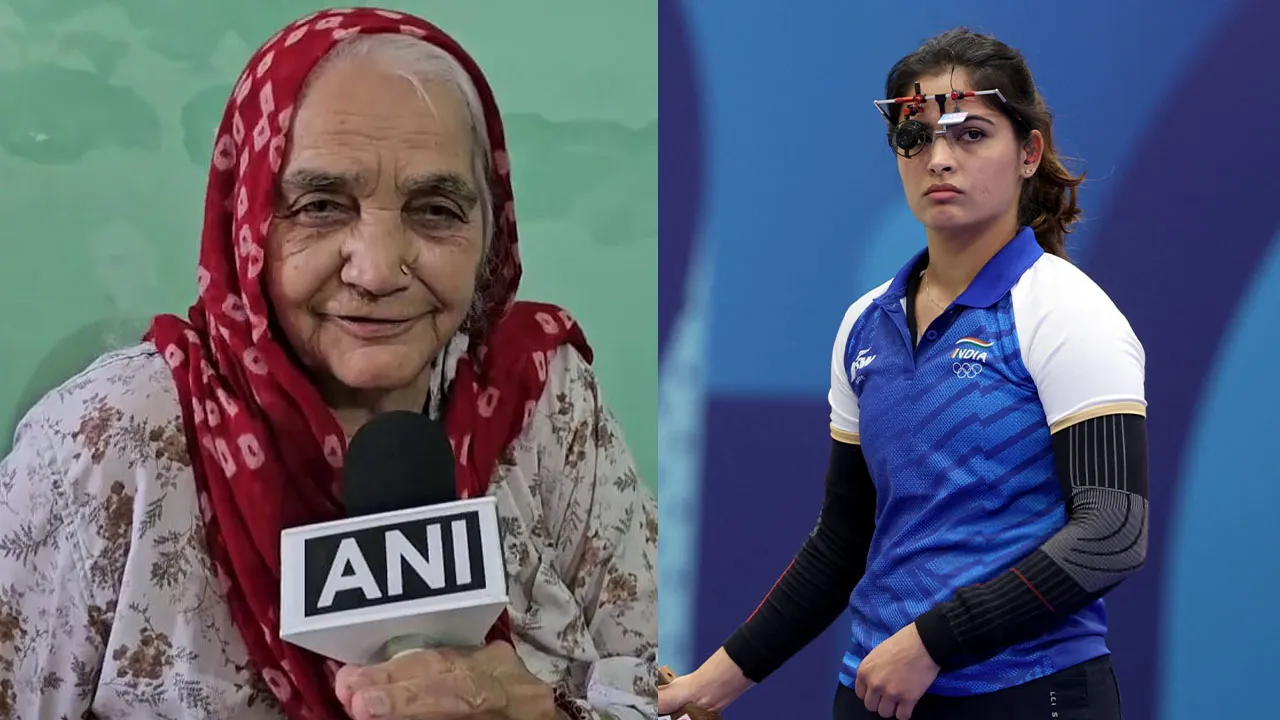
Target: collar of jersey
{"x":992,"y":282}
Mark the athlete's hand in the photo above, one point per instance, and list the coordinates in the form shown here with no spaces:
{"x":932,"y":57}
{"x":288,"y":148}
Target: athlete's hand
{"x":718,"y":682}
{"x":893,"y":677}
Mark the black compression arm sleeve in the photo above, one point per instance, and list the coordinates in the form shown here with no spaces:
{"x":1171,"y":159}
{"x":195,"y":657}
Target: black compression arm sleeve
{"x":1102,"y":466}
{"x":814,"y":590}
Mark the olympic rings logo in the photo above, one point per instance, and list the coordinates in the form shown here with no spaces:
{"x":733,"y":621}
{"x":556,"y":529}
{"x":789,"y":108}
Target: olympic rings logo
{"x":966,"y":370}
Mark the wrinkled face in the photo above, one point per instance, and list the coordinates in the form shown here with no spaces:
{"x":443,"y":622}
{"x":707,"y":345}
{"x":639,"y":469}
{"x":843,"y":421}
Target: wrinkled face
{"x":374,"y":251}
{"x":981,"y":160}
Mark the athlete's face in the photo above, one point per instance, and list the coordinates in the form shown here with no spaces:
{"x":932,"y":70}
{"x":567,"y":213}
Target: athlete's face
{"x":981,"y":160}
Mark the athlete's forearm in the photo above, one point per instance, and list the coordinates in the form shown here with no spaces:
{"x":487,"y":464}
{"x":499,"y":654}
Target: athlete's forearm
{"x":815,"y":588}
{"x":1102,"y":465}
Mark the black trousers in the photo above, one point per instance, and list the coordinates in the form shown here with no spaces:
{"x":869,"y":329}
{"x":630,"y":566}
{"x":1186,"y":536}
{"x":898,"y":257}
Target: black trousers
{"x":1087,"y":691}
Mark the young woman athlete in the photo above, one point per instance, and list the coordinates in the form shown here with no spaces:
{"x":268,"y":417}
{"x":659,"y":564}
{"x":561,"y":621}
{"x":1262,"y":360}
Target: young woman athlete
{"x":988,"y":478}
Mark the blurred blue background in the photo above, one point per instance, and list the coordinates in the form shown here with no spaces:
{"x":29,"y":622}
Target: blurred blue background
{"x":781,"y":205}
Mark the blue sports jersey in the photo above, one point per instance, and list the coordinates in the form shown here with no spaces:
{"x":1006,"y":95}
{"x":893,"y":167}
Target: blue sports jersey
{"x":956,"y":433}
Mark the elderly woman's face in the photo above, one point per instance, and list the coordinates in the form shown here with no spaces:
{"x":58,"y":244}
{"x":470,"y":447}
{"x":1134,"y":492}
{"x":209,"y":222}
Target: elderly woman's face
{"x":374,"y":252}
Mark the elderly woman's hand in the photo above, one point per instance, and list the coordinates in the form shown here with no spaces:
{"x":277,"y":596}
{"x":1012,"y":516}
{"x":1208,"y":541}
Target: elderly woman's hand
{"x":488,"y":683}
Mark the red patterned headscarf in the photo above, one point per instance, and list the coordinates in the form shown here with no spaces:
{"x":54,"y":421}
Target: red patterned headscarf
{"x":266,"y":452}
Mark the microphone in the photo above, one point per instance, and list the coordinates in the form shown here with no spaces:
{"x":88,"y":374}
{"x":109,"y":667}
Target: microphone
{"x":411,"y":567}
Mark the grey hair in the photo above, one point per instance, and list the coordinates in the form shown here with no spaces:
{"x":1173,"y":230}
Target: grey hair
{"x":422,"y":63}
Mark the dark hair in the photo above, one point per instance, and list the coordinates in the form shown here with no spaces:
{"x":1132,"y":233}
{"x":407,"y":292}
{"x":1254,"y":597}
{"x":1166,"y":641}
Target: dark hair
{"x":1048,"y":201}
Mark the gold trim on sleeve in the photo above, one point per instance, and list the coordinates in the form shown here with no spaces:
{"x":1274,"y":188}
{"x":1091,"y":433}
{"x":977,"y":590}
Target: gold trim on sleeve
{"x":1115,"y":408}
{"x":844,"y":436}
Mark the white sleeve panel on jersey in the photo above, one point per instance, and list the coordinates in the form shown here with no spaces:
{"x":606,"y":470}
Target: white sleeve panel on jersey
{"x":1081,"y":352}
{"x":844,"y":404}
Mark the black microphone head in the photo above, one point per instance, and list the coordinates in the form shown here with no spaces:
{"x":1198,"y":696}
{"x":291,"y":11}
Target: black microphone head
{"x":398,"y":460}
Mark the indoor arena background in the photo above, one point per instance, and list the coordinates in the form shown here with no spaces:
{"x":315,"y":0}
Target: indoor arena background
{"x":780,"y":205}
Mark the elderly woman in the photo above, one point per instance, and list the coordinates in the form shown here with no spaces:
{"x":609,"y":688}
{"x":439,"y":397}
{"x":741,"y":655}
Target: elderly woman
{"x":358,"y":256}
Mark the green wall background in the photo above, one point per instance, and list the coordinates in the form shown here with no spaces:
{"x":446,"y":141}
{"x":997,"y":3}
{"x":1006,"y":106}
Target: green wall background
{"x":107,"y":113}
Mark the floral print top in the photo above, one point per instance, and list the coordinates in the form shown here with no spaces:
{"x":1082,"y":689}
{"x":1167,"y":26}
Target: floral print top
{"x":109,"y":607}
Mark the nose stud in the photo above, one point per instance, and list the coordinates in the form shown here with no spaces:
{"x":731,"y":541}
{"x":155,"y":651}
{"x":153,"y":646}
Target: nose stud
{"x":404,"y":269}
